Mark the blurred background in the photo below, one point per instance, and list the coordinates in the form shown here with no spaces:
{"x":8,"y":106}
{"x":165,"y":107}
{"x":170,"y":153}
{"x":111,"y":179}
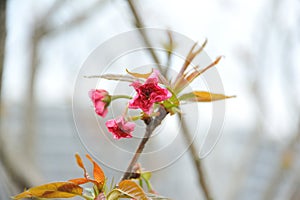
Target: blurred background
{"x":44,"y":43}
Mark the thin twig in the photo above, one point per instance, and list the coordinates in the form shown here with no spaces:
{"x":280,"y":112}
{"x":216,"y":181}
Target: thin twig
{"x":149,"y":130}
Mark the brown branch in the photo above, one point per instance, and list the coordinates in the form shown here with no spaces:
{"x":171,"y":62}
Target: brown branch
{"x":151,"y":126}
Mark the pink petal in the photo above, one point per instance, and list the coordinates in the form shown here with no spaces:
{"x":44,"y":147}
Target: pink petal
{"x":120,"y":128}
{"x":136,"y":84}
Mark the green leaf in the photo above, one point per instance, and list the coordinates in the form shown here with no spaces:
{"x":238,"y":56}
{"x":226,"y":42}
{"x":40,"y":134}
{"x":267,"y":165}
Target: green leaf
{"x":146,"y":176}
{"x":171,"y":104}
{"x":127,"y":189}
{"x":115,"y":194}
{"x":52,"y":190}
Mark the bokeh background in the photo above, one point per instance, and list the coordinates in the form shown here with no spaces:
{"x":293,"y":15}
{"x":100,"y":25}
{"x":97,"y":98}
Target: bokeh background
{"x":44,"y":44}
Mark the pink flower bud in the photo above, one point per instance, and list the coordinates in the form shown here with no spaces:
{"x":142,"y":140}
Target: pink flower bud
{"x":101,"y":100}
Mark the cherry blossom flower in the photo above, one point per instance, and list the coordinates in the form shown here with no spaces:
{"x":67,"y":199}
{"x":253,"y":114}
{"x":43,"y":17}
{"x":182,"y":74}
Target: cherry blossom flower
{"x":148,"y":94}
{"x":101,"y":99}
{"x":120,"y":128}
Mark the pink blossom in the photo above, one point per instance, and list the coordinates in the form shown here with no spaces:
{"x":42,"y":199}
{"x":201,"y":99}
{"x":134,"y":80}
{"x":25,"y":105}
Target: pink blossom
{"x":148,"y":94}
{"x":101,"y":100}
{"x":120,"y":128}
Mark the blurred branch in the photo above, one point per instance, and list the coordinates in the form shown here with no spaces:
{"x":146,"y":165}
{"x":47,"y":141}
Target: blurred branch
{"x":2,"y":44}
{"x":256,"y":80}
{"x":200,"y":172}
{"x":78,"y":19}
{"x":169,"y":48}
{"x":295,"y":191}
{"x":139,"y":24}
{"x":16,"y":166}
{"x":2,"y":53}
{"x":38,"y":32}
{"x":290,"y":154}
{"x":42,"y":29}
{"x":196,"y":160}
{"x":296,"y":194}
{"x":246,"y":161}
{"x":272,"y":27}
{"x":17,"y":173}
{"x":286,"y":162}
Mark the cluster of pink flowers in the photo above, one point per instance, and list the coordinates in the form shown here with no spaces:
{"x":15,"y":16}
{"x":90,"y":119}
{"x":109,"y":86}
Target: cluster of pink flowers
{"x":147,"y":95}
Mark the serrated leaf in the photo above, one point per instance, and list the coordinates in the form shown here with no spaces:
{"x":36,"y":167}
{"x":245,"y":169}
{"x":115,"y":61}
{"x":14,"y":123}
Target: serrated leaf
{"x":52,"y":190}
{"x":127,"y":189}
{"x":139,"y":75}
{"x":202,"y":96}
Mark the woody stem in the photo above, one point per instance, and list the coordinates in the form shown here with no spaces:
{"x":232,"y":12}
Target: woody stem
{"x":151,"y":126}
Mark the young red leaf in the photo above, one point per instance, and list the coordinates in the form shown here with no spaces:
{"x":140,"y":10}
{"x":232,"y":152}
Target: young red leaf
{"x":79,"y":181}
{"x":81,"y":165}
{"x":99,"y":177}
{"x":52,"y":190}
{"x":98,"y":173}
